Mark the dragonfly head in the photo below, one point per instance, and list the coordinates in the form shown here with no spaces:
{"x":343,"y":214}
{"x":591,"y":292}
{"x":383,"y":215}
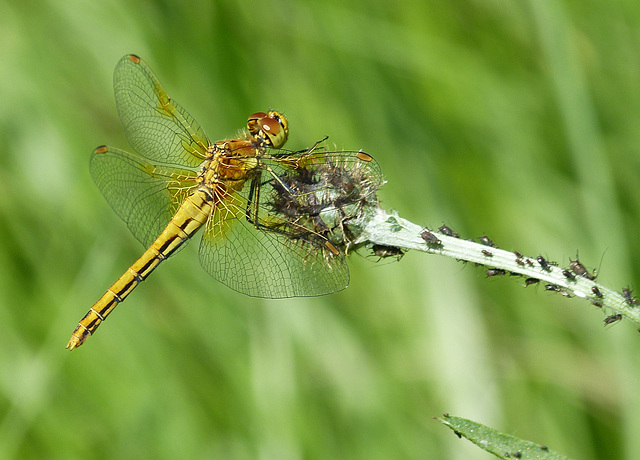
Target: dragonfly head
{"x":271,"y":128}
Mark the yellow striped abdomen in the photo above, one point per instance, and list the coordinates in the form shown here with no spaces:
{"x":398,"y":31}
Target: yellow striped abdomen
{"x":192,"y":214}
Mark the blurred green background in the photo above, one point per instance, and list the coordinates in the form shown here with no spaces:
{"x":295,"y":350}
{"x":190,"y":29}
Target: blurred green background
{"x":515,"y":119}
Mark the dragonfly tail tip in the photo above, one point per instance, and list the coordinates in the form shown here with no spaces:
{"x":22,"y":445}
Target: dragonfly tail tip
{"x":73,"y":343}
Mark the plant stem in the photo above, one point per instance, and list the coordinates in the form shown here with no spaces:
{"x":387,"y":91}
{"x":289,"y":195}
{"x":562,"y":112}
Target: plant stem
{"x":381,"y":228}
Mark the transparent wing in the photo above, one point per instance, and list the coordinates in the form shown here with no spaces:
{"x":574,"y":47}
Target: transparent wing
{"x":144,"y":194}
{"x":347,"y":175}
{"x":156,"y":126}
{"x":274,"y":237}
{"x":261,"y":263}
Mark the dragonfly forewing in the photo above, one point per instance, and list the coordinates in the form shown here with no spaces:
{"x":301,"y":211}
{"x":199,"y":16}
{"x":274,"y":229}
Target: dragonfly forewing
{"x":157,"y":127}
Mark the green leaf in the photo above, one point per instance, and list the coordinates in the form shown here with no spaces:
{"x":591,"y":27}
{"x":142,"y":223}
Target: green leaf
{"x":499,"y":444}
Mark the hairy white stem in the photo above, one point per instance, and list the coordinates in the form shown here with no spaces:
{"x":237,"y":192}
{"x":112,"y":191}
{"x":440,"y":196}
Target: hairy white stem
{"x":382,"y":228}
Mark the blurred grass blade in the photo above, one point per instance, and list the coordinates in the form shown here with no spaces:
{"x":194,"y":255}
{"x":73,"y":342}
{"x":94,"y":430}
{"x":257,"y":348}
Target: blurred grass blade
{"x":500,"y":444}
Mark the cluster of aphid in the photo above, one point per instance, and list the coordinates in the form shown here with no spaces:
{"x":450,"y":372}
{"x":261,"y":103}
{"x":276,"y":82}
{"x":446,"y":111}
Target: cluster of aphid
{"x":316,"y":200}
{"x":319,"y":201}
{"x":572,"y":273}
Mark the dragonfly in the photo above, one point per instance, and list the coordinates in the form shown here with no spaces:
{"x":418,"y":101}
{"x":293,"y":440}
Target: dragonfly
{"x":269,"y":215}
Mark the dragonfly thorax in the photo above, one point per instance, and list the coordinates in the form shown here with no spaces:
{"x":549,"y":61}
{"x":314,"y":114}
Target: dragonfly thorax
{"x":231,"y":162}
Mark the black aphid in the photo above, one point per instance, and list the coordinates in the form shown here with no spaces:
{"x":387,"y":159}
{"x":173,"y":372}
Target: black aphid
{"x":558,"y":289}
{"x":383,"y":251}
{"x":486,"y":241}
{"x":612,"y":319}
{"x":579,"y":269}
{"x":543,"y":263}
{"x":626,"y":293}
{"x":430,"y":238}
{"x":447,"y":231}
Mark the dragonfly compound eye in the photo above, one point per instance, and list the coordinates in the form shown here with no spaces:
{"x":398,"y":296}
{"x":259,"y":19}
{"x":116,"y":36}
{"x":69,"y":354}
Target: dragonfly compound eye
{"x":282,"y":120}
{"x":253,"y":123}
{"x":272,"y":128}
